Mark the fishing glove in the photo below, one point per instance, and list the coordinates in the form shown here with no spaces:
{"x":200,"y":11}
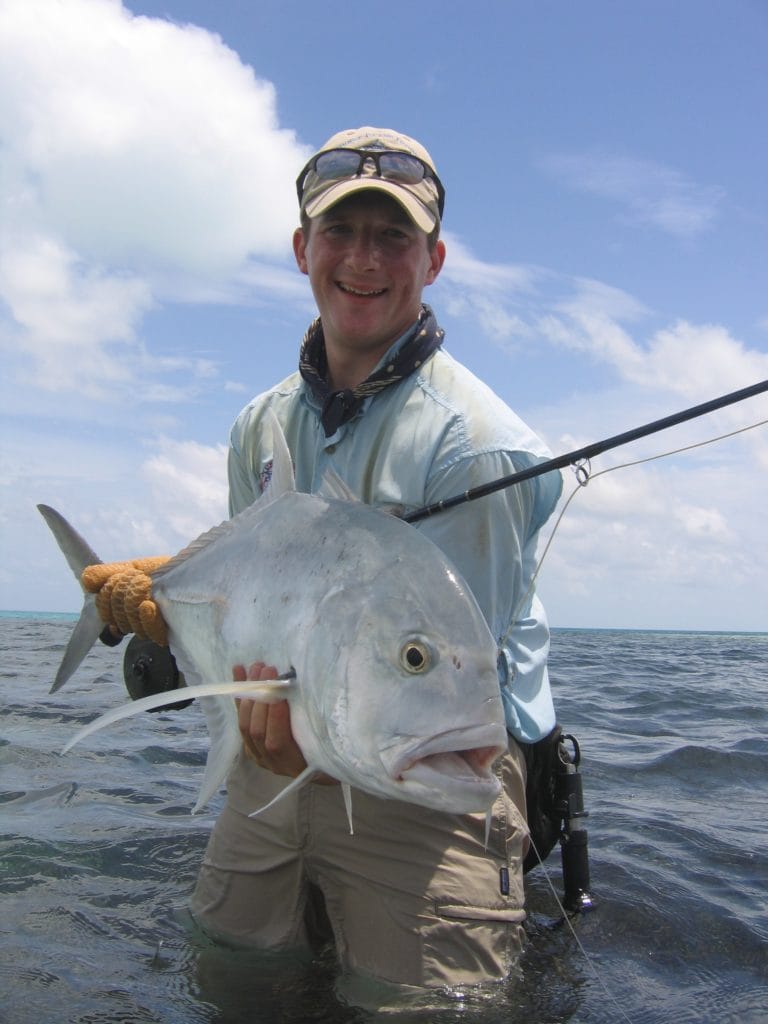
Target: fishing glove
{"x":124,"y":596}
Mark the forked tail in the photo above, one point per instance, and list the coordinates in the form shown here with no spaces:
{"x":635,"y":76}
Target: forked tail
{"x":78,"y":554}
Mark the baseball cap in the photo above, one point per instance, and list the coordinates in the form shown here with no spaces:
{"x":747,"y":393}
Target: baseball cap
{"x":373,"y":158}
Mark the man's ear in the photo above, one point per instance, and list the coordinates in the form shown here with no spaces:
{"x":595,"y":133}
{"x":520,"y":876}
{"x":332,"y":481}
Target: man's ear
{"x":300,"y":250}
{"x":437,"y":259}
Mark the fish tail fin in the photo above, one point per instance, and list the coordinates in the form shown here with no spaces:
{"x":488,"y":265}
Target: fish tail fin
{"x":84,"y":636}
{"x":78,"y":554}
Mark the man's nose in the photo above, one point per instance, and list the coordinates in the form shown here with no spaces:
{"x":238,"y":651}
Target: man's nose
{"x":364,"y":252}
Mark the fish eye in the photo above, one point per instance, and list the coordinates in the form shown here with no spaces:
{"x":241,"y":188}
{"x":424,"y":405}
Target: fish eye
{"x":415,"y":656}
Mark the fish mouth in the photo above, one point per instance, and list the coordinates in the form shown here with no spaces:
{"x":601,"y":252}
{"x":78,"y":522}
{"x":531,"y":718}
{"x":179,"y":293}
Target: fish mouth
{"x":472,"y":766}
{"x":461,"y":757}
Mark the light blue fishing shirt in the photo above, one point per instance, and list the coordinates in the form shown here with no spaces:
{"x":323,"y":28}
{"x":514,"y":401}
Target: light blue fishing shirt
{"x":433,"y":435}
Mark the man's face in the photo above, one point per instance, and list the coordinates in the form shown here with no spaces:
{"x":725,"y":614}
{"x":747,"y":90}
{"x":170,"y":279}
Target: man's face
{"x":368,"y":264}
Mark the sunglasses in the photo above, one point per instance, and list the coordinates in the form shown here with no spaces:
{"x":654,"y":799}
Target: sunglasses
{"x":391,"y":165}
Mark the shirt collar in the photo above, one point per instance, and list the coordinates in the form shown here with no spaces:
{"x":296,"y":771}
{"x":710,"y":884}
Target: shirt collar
{"x":404,"y":356}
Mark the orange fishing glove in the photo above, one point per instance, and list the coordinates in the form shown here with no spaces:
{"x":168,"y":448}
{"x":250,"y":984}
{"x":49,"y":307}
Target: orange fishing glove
{"x":124,"y":596}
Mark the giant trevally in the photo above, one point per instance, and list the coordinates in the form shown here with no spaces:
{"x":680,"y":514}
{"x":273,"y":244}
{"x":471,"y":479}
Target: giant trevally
{"x":393,"y":684}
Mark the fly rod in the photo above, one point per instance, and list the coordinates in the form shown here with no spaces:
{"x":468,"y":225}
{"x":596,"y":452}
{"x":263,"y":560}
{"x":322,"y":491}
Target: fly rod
{"x":588,"y":452}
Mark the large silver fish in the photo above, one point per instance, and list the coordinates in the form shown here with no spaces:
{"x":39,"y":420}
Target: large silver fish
{"x":394,"y":687}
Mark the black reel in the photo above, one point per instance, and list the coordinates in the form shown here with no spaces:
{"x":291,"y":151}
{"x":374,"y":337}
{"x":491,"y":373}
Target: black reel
{"x":149,"y":669}
{"x":555,"y":805}
{"x":574,"y":841}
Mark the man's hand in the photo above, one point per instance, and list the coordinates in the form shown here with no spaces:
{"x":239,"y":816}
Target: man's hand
{"x":266,"y":728}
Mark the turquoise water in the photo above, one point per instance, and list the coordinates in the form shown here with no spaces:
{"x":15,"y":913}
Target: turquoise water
{"x":98,"y":850}
{"x":41,"y":616}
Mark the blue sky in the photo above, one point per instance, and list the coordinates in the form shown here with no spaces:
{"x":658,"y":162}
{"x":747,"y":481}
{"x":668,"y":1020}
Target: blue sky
{"x":606,"y":215}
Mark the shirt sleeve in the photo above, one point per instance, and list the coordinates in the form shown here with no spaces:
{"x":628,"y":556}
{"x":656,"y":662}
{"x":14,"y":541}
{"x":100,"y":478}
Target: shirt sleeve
{"x":243,"y":480}
{"x":492,"y":541}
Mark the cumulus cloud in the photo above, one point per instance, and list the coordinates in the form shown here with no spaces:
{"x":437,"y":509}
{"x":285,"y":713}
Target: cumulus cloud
{"x":68,"y":316}
{"x":496,"y":295}
{"x":696,"y":359}
{"x":188,"y":487}
{"x":668,"y":530}
{"x":647,"y":192}
{"x":140,"y":161}
{"x":522,"y":303}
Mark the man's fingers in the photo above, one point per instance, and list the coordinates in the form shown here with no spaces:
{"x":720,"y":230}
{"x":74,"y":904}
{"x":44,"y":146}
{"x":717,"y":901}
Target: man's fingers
{"x":253,"y":717}
{"x":277,"y":728}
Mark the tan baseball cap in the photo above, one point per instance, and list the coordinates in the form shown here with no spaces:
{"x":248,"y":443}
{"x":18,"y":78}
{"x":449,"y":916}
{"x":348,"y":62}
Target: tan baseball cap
{"x":335,"y":171}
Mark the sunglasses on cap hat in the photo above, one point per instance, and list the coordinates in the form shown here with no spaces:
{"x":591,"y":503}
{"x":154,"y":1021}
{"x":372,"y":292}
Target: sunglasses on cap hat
{"x":391,"y":165}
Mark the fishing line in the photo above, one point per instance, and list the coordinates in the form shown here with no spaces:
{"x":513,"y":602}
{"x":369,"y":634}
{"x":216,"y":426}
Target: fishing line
{"x":588,"y":452}
{"x":567,"y":920}
{"x":584,"y":476}
{"x":579,"y":460}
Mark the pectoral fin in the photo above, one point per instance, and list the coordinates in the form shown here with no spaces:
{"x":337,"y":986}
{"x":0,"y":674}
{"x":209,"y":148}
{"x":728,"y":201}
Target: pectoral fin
{"x":292,"y":786}
{"x":346,"y":790}
{"x":267,"y":692}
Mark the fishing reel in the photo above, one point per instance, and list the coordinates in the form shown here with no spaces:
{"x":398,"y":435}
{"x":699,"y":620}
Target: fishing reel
{"x":148,"y":669}
{"x":555,"y":806}
{"x":574,"y":840}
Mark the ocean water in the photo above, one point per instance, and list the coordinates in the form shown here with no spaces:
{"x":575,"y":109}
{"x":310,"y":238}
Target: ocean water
{"x":98,"y":851}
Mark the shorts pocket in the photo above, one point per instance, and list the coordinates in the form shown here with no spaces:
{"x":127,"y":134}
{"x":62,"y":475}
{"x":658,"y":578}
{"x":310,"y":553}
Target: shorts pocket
{"x":462,"y":912}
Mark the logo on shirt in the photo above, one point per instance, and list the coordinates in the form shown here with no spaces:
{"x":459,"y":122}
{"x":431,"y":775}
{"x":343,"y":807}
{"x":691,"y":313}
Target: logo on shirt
{"x":265,"y":475}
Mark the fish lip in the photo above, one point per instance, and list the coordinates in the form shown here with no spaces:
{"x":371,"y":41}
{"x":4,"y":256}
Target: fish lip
{"x":477,"y":746}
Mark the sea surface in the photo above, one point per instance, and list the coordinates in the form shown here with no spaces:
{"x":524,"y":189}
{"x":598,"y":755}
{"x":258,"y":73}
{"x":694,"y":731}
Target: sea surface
{"x":99,"y":852}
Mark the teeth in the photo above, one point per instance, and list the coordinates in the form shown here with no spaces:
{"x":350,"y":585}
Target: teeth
{"x":356,"y":291}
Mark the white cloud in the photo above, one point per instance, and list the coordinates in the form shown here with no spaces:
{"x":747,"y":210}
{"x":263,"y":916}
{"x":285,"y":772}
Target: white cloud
{"x":124,"y":502}
{"x":499,"y":278}
{"x":648,"y":192}
{"x":651,"y":544}
{"x":138,"y":158}
{"x":68,"y":316}
{"x":188,"y":487}
{"x":696,"y":360}
{"x":496,"y":295}
{"x":521,"y":303}
{"x":703,"y":523}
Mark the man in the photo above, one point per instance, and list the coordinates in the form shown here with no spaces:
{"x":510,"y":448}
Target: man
{"x":414,"y":898}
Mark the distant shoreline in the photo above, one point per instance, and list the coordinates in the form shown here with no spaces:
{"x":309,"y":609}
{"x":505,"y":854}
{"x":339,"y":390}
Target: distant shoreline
{"x":73,"y":617}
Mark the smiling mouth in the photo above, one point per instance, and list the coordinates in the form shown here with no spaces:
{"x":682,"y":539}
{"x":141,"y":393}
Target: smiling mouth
{"x":370,"y":293}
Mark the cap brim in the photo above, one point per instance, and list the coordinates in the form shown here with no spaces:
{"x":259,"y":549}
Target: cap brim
{"x":421,"y":216}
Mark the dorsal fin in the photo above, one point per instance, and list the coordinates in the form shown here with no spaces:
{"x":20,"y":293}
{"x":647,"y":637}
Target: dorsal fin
{"x":281,"y":481}
{"x":332,"y":486}
{"x":198,"y":544}
{"x":282,"y":465}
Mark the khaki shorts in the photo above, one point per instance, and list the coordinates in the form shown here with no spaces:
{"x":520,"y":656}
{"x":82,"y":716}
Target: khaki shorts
{"x":413,"y":897}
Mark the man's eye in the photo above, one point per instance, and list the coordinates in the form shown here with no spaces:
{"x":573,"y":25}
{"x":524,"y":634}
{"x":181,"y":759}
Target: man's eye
{"x":338,"y":228}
